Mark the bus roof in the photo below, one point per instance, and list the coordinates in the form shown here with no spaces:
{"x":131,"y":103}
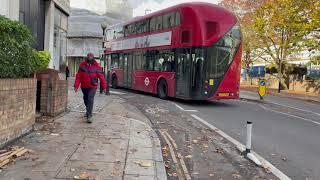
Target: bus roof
{"x":193,"y":5}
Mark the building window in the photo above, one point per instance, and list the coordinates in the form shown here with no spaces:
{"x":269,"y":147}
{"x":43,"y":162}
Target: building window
{"x":60,"y":40}
{"x":22,"y":17}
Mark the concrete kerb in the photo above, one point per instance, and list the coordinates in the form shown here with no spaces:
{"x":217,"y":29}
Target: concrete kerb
{"x":141,"y":128}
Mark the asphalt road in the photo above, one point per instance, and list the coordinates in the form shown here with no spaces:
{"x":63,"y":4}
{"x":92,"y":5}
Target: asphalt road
{"x":206,"y":154}
{"x":286,"y":131}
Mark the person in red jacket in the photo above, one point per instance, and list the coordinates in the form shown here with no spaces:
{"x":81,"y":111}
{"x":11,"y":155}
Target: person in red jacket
{"x":88,"y":74}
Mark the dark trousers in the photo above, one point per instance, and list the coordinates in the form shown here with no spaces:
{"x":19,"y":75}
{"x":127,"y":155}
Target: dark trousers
{"x":88,"y":98}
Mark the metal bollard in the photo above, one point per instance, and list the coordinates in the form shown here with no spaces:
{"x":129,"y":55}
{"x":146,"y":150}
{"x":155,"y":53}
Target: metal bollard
{"x":249,"y":134}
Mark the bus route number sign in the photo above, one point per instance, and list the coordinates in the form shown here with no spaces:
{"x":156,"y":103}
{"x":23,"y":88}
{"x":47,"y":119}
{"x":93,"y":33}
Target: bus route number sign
{"x":262,"y":88}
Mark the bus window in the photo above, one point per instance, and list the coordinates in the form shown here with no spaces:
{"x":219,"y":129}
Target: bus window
{"x":158,"y":62}
{"x":153,"y":24}
{"x":132,"y":29}
{"x":177,"y":19}
{"x":148,"y":61}
{"x":146,"y":25}
{"x":115,"y":61}
{"x":159,"y":23}
{"x":119,"y":32}
{"x":139,"y":27}
{"x":138,"y":61}
{"x":126,"y":31}
{"x":168,"y":20}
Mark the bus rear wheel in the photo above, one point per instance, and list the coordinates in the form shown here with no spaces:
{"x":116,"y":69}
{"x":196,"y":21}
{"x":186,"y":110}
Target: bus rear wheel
{"x":162,"y":89}
{"x":114,"y":82}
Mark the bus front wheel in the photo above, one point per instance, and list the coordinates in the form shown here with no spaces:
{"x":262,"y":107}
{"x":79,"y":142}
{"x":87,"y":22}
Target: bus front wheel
{"x":114,"y":82}
{"x":162,"y":89}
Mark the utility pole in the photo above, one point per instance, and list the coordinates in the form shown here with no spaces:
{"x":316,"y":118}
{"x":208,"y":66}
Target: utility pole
{"x":106,"y":68}
{"x":145,"y":12}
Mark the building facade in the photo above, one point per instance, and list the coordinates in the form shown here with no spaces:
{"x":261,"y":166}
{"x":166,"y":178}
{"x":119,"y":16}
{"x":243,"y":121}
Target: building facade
{"x":9,"y":9}
{"x":85,"y":35}
{"x":47,"y":21}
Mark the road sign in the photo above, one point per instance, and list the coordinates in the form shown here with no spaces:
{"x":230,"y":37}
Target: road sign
{"x":262,"y":88}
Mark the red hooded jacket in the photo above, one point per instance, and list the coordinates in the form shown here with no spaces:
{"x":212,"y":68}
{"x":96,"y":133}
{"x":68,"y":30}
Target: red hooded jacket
{"x":86,"y":73}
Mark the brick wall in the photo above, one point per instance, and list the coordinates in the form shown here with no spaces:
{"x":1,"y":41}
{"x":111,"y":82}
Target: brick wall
{"x":54,"y":97}
{"x":17,"y":108}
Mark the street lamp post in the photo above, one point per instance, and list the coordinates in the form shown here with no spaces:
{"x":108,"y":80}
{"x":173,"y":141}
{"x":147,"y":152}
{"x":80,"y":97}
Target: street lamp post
{"x":146,"y":10}
{"x":104,"y":27}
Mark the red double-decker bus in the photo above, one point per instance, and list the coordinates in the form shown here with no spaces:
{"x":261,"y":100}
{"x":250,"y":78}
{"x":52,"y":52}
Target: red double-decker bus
{"x":189,"y":51}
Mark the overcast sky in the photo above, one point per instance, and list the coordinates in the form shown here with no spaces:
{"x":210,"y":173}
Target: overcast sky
{"x":139,"y":6}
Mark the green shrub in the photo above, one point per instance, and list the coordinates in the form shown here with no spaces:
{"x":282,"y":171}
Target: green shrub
{"x":40,"y":60}
{"x":16,"y":52}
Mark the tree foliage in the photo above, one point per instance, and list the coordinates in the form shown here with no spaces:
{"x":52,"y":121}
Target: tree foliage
{"x":15,"y":49}
{"x":284,"y":27}
{"x":41,"y":60}
{"x":17,"y":57}
{"x":244,"y":10}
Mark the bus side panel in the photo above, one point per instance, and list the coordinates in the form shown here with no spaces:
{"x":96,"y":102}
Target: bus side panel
{"x":140,"y":81}
{"x":231,"y":80}
{"x":171,"y":82}
{"x":147,"y":81}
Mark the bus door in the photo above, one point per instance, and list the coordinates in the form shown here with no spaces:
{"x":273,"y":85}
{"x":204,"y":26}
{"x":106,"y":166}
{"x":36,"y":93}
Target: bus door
{"x":183,"y":72}
{"x":127,"y":70}
{"x":197,"y":74}
{"x":130,"y":69}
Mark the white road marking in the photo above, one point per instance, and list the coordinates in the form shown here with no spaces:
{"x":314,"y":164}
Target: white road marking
{"x":118,"y":93}
{"x":318,"y":114}
{"x":294,"y":108}
{"x":178,"y":106}
{"x":181,"y":108}
{"x":191,"y":110}
{"x":290,"y":115}
{"x":241,"y":147}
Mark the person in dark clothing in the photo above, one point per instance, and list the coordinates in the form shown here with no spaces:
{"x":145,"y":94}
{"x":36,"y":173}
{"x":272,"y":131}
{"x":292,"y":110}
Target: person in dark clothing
{"x":67,"y":72}
{"x":88,"y":75}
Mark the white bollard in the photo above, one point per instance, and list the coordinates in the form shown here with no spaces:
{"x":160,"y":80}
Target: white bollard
{"x":248,"y":153}
{"x":249,"y":134}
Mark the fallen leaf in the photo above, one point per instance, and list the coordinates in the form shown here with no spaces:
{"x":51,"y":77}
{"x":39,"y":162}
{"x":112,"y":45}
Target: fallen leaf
{"x":284,"y":159}
{"x":144,"y":163}
{"x":206,"y":146}
{"x":54,"y":134}
{"x":195,"y":141}
{"x":84,"y":175}
{"x":211,"y":175}
{"x":72,"y":170}
{"x":236,"y":176}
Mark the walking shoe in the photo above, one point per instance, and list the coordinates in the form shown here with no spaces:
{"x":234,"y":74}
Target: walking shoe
{"x":89,"y":119}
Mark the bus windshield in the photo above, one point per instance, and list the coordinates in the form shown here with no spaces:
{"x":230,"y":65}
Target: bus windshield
{"x":221,"y":54}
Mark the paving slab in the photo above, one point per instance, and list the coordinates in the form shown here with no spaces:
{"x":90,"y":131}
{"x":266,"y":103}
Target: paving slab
{"x":102,"y":170}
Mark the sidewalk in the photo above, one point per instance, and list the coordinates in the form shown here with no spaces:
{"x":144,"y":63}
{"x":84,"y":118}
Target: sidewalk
{"x":285,"y":93}
{"x":119,"y":144}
